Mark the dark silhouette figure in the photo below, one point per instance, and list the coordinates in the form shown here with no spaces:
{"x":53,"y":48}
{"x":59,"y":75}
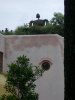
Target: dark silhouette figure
{"x":39,"y":22}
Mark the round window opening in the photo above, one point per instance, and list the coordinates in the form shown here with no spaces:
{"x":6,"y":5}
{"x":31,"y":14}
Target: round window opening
{"x":46,"y":65}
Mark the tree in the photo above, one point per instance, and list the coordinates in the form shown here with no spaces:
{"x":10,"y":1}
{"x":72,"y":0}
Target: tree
{"x":58,"y":19}
{"x":7,"y":32}
{"x":22,"y":30}
{"x":21,"y":79}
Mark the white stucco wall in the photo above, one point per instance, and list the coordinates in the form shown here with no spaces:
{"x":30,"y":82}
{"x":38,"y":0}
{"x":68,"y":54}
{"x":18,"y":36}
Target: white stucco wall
{"x":38,"y":48}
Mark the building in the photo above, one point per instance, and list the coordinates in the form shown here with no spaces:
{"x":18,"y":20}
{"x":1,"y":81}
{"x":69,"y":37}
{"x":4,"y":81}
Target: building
{"x":46,"y":51}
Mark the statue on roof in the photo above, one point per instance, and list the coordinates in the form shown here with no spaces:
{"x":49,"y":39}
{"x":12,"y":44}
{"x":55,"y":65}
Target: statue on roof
{"x":38,"y":22}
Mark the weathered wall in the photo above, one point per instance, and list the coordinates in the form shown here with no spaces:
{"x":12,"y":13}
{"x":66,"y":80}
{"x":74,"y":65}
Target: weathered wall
{"x":38,"y":48}
{"x":2,"y":48}
{"x":2,"y":43}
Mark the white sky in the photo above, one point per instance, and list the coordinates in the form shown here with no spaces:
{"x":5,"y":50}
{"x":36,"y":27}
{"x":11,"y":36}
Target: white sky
{"x":14,"y":13}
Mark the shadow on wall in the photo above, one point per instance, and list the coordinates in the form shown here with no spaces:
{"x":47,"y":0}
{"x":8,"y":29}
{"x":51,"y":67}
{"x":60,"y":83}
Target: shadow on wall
{"x":1,"y":61}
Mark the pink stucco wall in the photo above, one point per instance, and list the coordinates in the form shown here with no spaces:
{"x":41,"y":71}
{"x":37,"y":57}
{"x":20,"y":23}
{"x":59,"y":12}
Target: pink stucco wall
{"x":38,"y":48}
{"x":20,"y":43}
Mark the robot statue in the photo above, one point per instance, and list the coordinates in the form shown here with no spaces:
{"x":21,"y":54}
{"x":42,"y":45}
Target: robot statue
{"x":38,"y":22}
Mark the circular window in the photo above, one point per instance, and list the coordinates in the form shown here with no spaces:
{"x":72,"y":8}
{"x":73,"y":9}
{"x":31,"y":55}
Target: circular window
{"x":46,"y":65}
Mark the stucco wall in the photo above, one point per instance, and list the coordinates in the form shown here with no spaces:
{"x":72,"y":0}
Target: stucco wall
{"x":2,"y":43}
{"x":35,"y":47}
{"x":2,"y":48}
{"x":38,"y":48}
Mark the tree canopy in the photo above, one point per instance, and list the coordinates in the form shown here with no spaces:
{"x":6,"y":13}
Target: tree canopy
{"x":58,"y":19}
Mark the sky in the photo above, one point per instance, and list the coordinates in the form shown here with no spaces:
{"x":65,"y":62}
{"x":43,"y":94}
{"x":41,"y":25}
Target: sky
{"x":14,"y":13}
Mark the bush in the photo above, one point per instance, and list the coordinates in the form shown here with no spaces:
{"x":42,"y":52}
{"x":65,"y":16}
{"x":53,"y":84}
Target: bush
{"x":21,"y":79}
{"x":9,"y":97}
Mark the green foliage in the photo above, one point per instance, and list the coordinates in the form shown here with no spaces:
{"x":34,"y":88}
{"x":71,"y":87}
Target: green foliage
{"x":22,"y":30}
{"x":21,"y":79}
{"x":7,"y":32}
{"x":9,"y":97}
{"x":58,"y":19}
{"x":49,"y":29}
{"x":56,"y":26}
